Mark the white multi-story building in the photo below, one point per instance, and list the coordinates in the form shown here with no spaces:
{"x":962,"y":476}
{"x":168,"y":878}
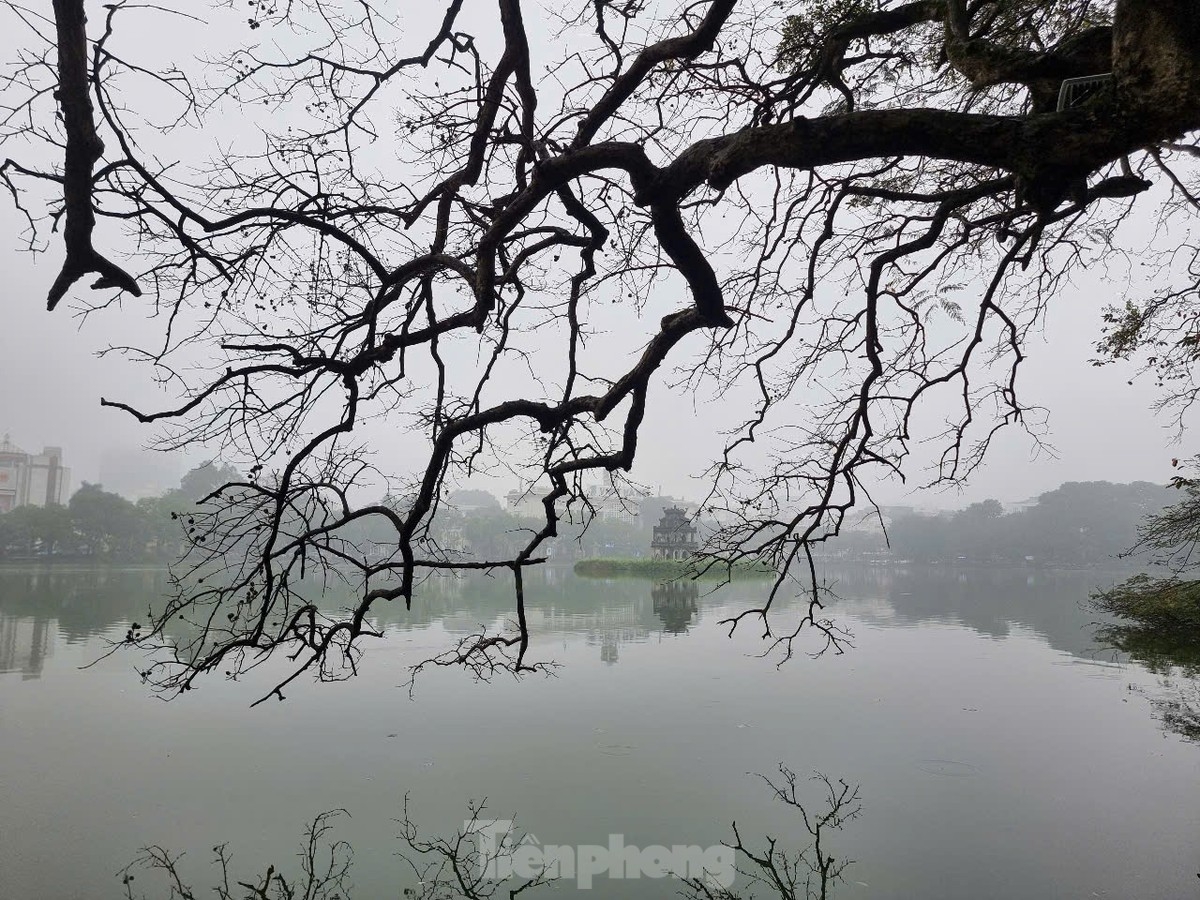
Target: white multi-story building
{"x":524,"y":503}
{"x":28,"y":479}
{"x":616,"y":502}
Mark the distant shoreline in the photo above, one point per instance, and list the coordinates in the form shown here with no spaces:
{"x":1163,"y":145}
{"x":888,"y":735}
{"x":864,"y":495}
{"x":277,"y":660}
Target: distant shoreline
{"x":82,"y":564}
{"x":606,"y":567}
{"x":665,"y":568}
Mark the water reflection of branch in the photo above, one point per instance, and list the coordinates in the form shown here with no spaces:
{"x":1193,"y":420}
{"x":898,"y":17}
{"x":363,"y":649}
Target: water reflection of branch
{"x":812,"y":872}
{"x":463,"y":867}
{"x":1181,"y":714}
{"x":483,"y":860}
{"x":1174,"y":656}
{"x":325,"y":870}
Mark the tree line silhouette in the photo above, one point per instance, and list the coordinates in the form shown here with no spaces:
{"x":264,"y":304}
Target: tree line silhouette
{"x":96,"y":523}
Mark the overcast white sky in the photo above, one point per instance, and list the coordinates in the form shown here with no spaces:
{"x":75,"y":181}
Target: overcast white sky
{"x":1101,"y":427}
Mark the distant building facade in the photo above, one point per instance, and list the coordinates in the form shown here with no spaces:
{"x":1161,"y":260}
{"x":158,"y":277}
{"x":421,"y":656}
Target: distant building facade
{"x":616,"y":502}
{"x":28,"y":479}
{"x":609,"y":500}
{"x":524,"y":503}
{"x":674,"y":535}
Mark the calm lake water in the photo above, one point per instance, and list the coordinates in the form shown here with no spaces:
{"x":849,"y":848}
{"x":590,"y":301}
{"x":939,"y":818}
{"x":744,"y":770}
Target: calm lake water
{"x":1000,"y":751}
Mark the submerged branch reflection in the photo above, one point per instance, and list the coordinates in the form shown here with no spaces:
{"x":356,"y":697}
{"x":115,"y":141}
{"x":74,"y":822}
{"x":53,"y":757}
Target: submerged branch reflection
{"x":491,"y":858}
{"x":1172,"y":655}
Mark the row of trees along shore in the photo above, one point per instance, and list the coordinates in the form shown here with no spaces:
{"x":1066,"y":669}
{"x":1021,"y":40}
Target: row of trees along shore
{"x":1077,"y":524}
{"x":1165,"y":608}
{"x":97,"y":523}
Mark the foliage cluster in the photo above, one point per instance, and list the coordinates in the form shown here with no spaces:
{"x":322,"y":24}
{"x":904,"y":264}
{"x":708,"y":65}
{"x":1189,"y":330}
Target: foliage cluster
{"x":99,"y":523}
{"x":1170,"y":605}
{"x":1158,"y":603}
{"x":1077,"y":524}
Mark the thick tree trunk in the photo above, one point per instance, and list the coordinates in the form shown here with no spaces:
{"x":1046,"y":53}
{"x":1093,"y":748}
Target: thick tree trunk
{"x":1156,"y":64}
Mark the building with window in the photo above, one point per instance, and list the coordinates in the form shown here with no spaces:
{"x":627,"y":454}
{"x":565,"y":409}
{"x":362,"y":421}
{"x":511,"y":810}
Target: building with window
{"x":28,"y":479}
{"x":615,"y":501}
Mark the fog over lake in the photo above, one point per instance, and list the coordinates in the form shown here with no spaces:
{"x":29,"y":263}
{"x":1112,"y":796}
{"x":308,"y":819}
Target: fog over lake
{"x":482,"y":449}
{"x":1000,"y":749}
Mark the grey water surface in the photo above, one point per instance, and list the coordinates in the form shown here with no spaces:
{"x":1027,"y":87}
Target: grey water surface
{"x":1000,"y":748}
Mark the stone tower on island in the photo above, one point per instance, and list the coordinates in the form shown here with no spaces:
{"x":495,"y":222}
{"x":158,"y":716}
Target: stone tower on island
{"x":674,"y":535}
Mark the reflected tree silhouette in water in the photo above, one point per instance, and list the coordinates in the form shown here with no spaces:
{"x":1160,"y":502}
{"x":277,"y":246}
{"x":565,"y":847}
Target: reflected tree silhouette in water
{"x":811,"y":873}
{"x":40,"y":605}
{"x":83,"y":602}
{"x":324,"y":871}
{"x":466,"y":867}
{"x":1175,"y":658}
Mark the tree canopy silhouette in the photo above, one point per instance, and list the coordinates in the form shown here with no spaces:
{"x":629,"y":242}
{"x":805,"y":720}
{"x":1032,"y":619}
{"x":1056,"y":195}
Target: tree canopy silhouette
{"x":848,"y":208}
